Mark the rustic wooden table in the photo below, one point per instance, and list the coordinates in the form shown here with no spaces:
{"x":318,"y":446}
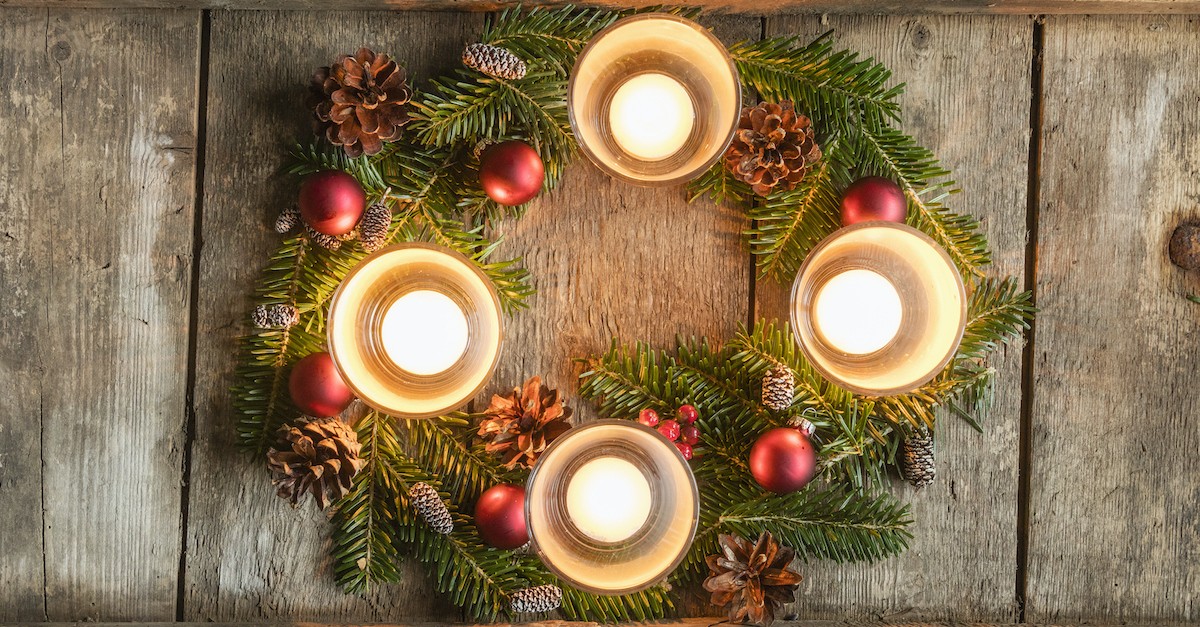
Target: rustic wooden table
{"x":141,"y":151}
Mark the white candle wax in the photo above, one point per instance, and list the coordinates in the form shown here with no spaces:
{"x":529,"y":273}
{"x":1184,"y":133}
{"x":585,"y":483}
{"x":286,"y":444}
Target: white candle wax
{"x":651,"y":116}
{"x":608,"y":499}
{"x":424,"y":332}
{"x":858,"y":311}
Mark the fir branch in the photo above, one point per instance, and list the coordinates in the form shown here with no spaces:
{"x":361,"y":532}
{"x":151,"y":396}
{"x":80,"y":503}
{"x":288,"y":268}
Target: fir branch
{"x":447,"y":447}
{"x":835,"y":87}
{"x":551,"y":37}
{"x":364,"y":551}
{"x":720,"y":186}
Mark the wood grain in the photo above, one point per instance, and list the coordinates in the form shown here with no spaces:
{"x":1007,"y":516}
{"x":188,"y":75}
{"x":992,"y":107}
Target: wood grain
{"x":250,"y":555}
{"x":968,"y":100}
{"x":96,"y":208}
{"x":747,"y":7}
{"x":1114,"y":529}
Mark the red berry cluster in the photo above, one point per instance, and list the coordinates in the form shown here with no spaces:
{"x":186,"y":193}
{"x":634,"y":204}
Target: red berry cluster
{"x":682,"y":430}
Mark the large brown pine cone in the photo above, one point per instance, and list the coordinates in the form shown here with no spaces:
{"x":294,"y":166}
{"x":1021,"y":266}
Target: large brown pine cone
{"x":774,"y":147}
{"x":521,"y":424}
{"x":318,"y":456}
{"x":361,"y":101}
{"x":753,"y":579}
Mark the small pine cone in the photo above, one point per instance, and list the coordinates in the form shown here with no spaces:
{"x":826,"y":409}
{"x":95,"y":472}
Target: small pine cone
{"x":537,"y":599}
{"x":778,"y":388}
{"x":429,"y":504}
{"x":916,"y":459}
{"x":277,"y":316}
{"x":328,"y":242}
{"x":494,"y":61}
{"x":373,"y":228}
{"x":287,"y":220}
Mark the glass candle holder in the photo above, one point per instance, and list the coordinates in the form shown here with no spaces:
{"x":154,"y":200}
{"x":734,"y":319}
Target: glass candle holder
{"x":654,"y":99}
{"x":878,"y":308}
{"x":415,"y":330}
{"x":612,"y":507}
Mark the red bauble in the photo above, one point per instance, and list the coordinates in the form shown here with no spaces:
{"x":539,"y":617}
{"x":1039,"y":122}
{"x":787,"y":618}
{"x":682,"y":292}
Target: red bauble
{"x":317,"y":387}
{"x":873,"y":198}
{"x":500,"y":516}
{"x":511,"y":173}
{"x":783,"y":460}
{"x":331,"y":202}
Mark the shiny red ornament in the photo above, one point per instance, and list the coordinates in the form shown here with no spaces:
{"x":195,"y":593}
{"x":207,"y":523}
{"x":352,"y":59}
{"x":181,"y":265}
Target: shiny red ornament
{"x":511,"y":173}
{"x":317,"y":387}
{"x":687,"y":414}
{"x":783,"y":460}
{"x":500,"y":516}
{"x":648,"y":417}
{"x":669,"y":429}
{"x":871,"y":199}
{"x":331,"y":202}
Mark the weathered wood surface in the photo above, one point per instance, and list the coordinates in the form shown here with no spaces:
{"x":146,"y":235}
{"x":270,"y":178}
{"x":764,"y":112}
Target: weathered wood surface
{"x":748,"y":7}
{"x":250,"y":556}
{"x":96,"y":206}
{"x":968,"y":100}
{"x":1115,"y":530}
{"x":96,"y":239}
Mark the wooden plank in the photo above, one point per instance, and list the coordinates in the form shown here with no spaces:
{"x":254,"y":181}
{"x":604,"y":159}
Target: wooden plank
{"x":96,"y":209}
{"x":250,"y":556}
{"x":1113,"y":529}
{"x":746,"y":7}
{"x":687,"y":622}
{"x":968,"y":100}
{"x":611,"y":260}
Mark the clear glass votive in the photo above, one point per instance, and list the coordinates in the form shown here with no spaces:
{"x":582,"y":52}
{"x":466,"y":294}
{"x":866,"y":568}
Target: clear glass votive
{"x":654,"y":99}
{"x":415,"y":330}
{"x":612,"y":507}
{"x":878,"y":308}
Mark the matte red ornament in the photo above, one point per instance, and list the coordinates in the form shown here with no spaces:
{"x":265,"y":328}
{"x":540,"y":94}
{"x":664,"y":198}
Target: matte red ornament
{"x":511,"y":173}
{"x":871,"y":199}
{"x":317,"y":387}
{"x":783,"y":460}
{"x":500,"y":516}
{"x":331,"y":202}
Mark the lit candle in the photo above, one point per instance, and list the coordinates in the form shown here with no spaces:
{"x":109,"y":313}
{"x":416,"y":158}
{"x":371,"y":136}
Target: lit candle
{"x":424,"y":332}
{"x":609,"y":499}
{"x":858,"y":311}
{"x":651,"y":116}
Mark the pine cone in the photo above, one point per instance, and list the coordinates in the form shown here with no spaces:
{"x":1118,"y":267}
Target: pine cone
{"x":318,"y":456}
{"x":494,"y":61}
{"x":522,"y":424}
{"x":543,"y":598}
{"x":778,"y":388}
{"x":917,"y":463}
{"x":773,"y":149}
{"x":373,"y":227}
{"x":288,"y":219}
{"x":277,"y":316}
{"x":360,"y":102}
{"x":429,"y":504}
{"x":328,"y":242}
{"x":753,"y":579}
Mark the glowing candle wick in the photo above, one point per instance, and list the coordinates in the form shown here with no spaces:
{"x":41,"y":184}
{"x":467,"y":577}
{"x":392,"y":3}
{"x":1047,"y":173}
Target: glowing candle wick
{"x":651,"y":116}
{"x":424,"y":332}
{"x":608,"y":499}
{"x":858,"y":311}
